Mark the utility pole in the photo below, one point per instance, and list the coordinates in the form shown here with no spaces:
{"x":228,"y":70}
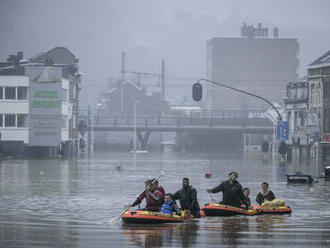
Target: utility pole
{"x":163,"y":83}
{"x":122,"y":82}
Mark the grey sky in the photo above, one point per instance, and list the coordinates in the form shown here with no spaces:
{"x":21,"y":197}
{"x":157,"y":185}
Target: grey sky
{"x":149,"y":30}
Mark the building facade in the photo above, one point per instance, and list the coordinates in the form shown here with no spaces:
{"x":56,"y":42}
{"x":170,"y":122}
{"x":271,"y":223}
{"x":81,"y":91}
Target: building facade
{"x":39,"y":105}
{"x":319,"y":105}
{"x":260,"y":65}
{"x":296,"y":107}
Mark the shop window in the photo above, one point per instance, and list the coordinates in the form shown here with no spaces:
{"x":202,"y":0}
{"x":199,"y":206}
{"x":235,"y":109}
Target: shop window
{"x":1,"y":121}
{"x":10,"y":121}
{"x":22,"y":120}
{"x":1,"y":92}
{"x":10,"y":93}
{"x":22,"y":93}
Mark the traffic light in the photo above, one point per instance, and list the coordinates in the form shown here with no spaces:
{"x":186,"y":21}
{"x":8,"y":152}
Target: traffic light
{"x":197,"y":92}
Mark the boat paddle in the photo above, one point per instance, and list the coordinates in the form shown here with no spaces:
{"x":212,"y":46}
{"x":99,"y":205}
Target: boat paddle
{"x":128,"y":207}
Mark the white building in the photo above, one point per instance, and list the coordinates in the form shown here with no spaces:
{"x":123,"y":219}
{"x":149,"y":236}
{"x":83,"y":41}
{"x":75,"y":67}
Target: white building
{"x":15,"y":111}
{"x":48,"y":85}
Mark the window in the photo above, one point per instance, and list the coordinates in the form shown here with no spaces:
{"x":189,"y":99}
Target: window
{"x":1,"y":94}
{"x":63,"y":123}
{"x":21,"y":93}
{"x":326,"y":120}
{"x":10,"y":121}
{"x":10,"y":93}
{"x":302,"y":117}
{"x":288,"y":92}
{"x":1,"y":121}
{"x":22,"y":120}
{"x":65,"y":97}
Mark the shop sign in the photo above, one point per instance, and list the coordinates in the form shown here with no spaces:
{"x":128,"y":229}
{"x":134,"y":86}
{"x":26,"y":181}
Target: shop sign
{"x":326,"y":137}
{"x":45,"y":106}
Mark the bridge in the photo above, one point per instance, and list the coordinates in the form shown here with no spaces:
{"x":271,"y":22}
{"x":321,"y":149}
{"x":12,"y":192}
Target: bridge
{"x":182,"y":123}
{"x":224,"y":125}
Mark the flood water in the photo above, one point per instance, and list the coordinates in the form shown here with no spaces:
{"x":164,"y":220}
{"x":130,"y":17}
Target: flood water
{"x":54,"y":203}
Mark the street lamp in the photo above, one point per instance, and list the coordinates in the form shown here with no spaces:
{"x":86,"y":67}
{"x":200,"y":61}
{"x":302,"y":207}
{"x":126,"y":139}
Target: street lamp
{"x":197,"y":93}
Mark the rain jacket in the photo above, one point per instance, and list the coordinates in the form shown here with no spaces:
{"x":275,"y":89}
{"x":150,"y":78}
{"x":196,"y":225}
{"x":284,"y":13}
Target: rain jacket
{"x":188,"y":200}
{"x":154,"y":200}
{"x":169,"y":208}
{"x":232,"y":194}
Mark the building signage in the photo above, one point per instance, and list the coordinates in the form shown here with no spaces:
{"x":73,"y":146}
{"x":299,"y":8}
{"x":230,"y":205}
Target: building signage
{"x":45,"y":105}
{"x":282,"y":130}
{"x":326,"y":138}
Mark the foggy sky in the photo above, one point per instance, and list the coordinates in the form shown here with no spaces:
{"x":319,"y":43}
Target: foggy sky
{"x":151,"y":30}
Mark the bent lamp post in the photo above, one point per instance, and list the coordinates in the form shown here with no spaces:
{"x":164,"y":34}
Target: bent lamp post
{"x":197,"y":93}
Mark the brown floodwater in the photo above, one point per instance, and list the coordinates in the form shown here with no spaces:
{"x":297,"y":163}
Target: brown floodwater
{"x":57,"y":203}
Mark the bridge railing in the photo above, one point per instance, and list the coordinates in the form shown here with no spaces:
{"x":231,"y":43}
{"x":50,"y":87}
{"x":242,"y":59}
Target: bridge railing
{"x":178,"y":121}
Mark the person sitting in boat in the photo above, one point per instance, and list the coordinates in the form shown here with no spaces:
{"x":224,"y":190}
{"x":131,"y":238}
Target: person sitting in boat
{"x":154,"y":197}
{"x":266,"y":194}
{"x":232,"y":192}
{"x":246,"y":201}
{"x":188,"y":199}
{"x":169,"y":206}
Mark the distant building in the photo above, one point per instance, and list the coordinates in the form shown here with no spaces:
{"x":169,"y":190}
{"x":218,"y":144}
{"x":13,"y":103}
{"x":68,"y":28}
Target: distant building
{"x":109,"y":108}
{"x":319,"y":104}
{"x":296,"y":107}
{"x":39,"y":104}
{"x":259,"y":65}
{"x":146,"y":104}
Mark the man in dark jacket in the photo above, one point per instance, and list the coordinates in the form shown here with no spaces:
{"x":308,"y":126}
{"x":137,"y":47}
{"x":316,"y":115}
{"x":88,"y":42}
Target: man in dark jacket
{"x":188,"y":198}
{"x":232,"y":192}
{"x":265,"y":195}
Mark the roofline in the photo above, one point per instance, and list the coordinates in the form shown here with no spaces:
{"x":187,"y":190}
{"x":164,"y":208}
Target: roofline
{"x":44,"y":53}
{"x":318,"y":65}
{"x":256,"y":38}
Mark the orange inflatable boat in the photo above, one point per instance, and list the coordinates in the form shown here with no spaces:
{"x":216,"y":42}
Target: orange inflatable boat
{"x":272,"y":210}
{"x":148,"y":217}
{"x":214,"y":209}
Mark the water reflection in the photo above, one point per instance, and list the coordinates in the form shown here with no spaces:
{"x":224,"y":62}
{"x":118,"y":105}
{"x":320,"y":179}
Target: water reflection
{"x":179,"y":235}
{"x":230,"y":231}
{"x":187,"y":234}
{"x":149,"y":236}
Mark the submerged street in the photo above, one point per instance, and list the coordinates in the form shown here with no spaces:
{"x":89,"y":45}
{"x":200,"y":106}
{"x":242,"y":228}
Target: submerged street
{"x":58,"y":203}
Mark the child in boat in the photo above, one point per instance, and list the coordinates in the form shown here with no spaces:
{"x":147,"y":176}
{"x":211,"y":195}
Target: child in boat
{"x":266,"y":194}
{"x":246,"y":200}
{"x":169,"y":206}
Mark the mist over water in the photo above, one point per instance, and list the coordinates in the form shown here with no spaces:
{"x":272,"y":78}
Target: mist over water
{"x":54,"y":203}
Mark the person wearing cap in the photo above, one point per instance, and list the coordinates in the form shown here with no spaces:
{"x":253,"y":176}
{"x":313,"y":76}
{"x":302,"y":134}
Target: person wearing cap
{"x":232,"y":192}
